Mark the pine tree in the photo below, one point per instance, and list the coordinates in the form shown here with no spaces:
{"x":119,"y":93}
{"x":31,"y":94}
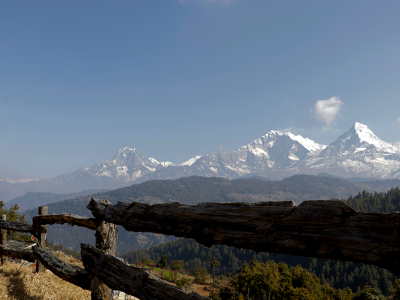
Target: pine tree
{"x":214,"y":263}
{"x":163,"y":262}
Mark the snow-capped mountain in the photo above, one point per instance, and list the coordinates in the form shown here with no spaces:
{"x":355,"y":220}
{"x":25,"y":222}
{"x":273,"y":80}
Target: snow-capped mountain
{"x":359,"y":139}
{"x":125,"y":167}
{"x":275,"y":150}
{"x":357,"y":152}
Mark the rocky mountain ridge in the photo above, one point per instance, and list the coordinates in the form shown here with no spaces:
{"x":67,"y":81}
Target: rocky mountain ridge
{"x":276,"y":155}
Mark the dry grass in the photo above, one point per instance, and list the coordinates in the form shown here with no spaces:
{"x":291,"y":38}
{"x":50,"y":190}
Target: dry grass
{"x":18,"y":282}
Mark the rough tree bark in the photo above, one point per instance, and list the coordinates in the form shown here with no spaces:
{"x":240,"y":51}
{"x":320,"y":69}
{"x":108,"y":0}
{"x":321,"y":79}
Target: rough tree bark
{"x":19,"y":226}
{"x":106,"y":241}
{"x":316,"y":228}
{"x":42,"y":237}
{"x":27,"y":255}
{"x":138,"y":282}
{"x":70,"y":219}
{"x":71,"y":273}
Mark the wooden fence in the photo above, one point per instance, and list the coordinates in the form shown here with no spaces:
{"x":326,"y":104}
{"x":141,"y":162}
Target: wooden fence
{"x":320,"y":228}
{"x":102,"y":272}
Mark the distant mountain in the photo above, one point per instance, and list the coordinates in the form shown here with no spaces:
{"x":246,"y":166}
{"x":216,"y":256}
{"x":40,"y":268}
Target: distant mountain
{"x":276,"y":155}
{"x":194,"y":190}
{"x":358,"y":153}
{"x":9,"y":191}
{"x":35,"y":199}
{"x":126,"y":167}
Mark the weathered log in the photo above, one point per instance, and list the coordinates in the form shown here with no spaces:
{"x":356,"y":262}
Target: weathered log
{"x":19,"y":226}
{"x":42,"y":211}
{"x":70,"y":219}
{"x":315,"y":228}
{"x":27,"y":255}
{"x":68,"y":272}
{"x":138,"y":282}
{"x":106,"y":241}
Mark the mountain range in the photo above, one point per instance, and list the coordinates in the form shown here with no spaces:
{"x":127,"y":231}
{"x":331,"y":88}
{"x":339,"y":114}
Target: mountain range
{"x":276,"y":155}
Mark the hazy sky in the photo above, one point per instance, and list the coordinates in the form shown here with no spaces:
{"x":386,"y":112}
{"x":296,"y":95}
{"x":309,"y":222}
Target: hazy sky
{"x":174,"y":79}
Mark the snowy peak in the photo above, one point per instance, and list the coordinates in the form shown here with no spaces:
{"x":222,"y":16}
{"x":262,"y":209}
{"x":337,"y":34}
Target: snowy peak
{"x":358,"y":139}
{"x":272,"y":136}
{"x":190,"y":161}
{"x":128,"y":156}
{"x":125,"y":154}
{"x":310,"y":145}
{"x":277,"y":150}
{"x":366,"y":135}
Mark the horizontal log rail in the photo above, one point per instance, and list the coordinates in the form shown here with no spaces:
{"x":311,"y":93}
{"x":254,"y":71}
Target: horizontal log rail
{"x":27,"y":255}
{"x":71,"y":219}
{"x":20,"y":226}
{"x":138,"y":282}
{"x":68,"y":272}
{"x":321,"y":229}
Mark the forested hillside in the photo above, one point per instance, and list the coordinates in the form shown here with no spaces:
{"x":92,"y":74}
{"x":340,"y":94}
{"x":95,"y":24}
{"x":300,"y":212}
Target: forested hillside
{"x":337,"y":274}
{"x":195,"y":189}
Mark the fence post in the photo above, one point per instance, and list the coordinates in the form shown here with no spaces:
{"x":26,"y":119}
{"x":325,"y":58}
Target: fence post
{"x":42,"y":238}
{"x":106,"y":241}
{"x":3,"y":239}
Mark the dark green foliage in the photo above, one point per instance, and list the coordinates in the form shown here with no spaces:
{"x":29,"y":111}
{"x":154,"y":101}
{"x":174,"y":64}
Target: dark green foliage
{"x":13,"y":215}
{"x":376,"y":202}
{"x":163,"y":262}
{"x":396,"y":291}
{"x":270,"y":280}
{"x":181,"y":282}
{"x":368,"y":293}
{"x":200,"y":275}
{"x":213,"y":264}
{"x":177,"y":264}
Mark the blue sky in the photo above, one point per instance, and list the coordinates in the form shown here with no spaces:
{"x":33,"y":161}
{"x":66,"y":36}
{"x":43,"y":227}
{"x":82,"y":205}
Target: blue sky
{"x":174,"y":79}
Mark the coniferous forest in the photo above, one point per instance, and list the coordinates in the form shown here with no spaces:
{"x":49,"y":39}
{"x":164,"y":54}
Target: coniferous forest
{"x":338,"y":275}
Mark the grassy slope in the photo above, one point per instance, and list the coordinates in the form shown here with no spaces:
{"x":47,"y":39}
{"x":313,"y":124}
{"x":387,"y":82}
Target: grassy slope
{"x":21,"y":282}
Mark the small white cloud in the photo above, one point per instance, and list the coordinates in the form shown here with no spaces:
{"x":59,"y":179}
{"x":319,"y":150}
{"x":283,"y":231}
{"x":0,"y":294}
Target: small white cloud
{"x":397,"y":145}
{"x":287,"y":129}
{"x":291,"y":129}
{"x":327,"y":111}
{"x":396,"y":123}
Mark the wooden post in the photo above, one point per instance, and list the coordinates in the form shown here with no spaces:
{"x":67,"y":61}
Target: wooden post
{"x":106,"y":241}
{"x":42,"y":238}
{"x":3,"y":239}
